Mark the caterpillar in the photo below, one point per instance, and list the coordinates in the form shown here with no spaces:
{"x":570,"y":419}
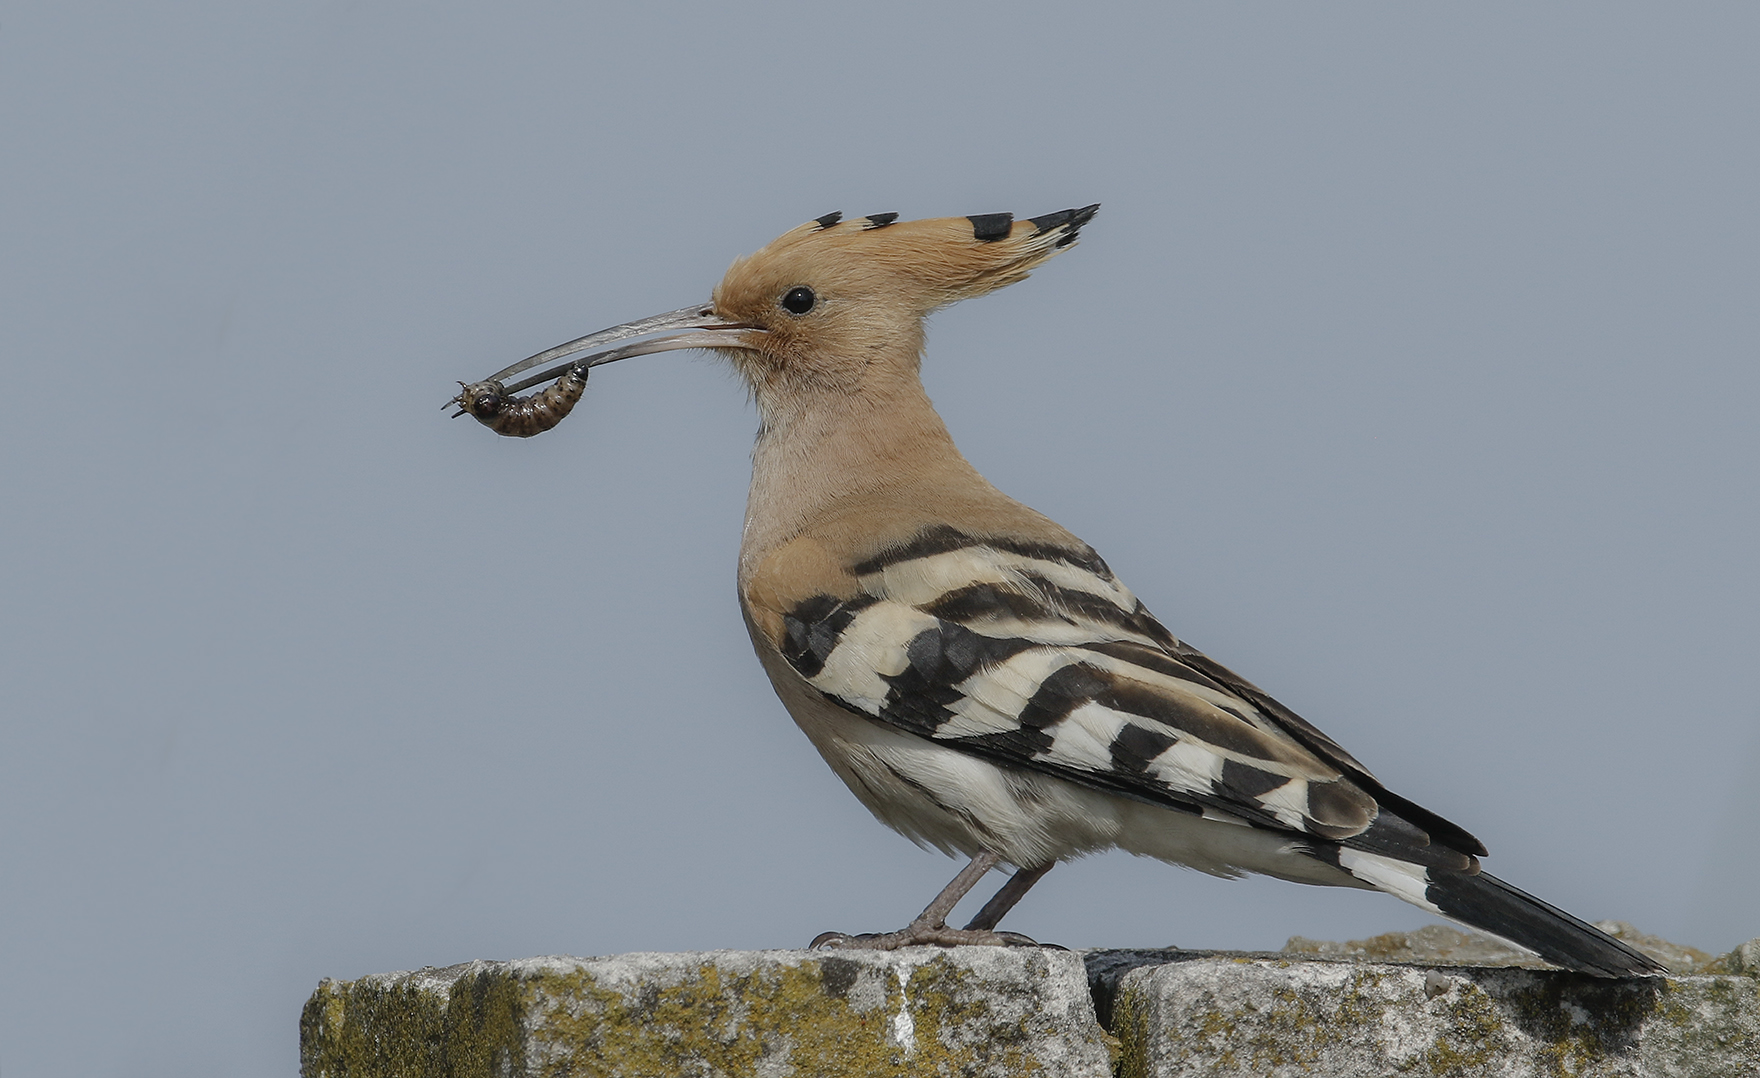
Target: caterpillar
{"x":520,"y":417}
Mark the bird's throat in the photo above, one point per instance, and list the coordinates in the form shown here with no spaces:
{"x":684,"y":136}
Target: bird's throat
{"x":822,"y":450}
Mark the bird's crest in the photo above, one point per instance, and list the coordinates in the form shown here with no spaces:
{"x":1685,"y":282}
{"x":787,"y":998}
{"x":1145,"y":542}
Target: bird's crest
{"x":934,"y":261}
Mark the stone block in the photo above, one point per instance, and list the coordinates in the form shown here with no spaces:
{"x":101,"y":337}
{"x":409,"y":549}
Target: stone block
{"x":1271,"y":1016}
{"x":977,"y":1011}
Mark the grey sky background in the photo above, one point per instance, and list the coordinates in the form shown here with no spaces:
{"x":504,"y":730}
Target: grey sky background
{"x":1409,"y":369}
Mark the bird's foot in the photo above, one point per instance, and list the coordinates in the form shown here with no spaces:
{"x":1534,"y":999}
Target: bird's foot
{"x":920,"y":933}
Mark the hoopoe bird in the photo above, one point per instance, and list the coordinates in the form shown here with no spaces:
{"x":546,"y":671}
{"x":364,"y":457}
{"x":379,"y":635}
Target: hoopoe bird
{"x":972,"y":671}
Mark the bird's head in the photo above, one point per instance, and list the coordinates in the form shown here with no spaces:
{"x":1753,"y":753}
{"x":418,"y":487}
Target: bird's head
{"x":837,"y":306}
{"x":839,"y":303}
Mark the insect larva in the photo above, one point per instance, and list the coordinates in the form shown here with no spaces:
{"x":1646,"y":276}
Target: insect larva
{"x":521,"y":417}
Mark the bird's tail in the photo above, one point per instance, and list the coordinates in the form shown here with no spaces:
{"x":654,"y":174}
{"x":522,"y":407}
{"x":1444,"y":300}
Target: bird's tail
{"x":1480,"y":900}
{"x":1484,"y":902}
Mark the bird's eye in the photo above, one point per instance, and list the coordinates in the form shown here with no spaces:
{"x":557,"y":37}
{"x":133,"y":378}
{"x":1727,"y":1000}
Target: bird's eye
{"x":799,"y":300}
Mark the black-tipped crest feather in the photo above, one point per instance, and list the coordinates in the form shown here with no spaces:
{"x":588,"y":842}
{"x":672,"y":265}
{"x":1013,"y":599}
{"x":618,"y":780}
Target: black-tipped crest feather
{"x":1073,"y":218}
{"x":990,"y":227}
{"x":1070,"y":221}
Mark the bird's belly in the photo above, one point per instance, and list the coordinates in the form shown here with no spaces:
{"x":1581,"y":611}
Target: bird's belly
{"x":940,"y":797}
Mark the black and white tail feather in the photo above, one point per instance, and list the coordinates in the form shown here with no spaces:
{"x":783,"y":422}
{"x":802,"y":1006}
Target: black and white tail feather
{"x":1484,"y":902}
{"x":1035,"y":657}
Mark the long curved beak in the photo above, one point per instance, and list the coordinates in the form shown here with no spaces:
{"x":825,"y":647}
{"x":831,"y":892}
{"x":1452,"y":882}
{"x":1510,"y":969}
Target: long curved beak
{"x":711,"y":331}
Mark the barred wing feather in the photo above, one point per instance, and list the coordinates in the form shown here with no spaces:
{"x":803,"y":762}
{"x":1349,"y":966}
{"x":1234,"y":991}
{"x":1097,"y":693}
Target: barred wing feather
{"x":1038,"y":657}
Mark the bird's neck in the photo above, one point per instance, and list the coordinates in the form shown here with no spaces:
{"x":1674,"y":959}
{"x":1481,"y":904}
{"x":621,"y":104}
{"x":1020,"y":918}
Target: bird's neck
{"x":816,"y":450}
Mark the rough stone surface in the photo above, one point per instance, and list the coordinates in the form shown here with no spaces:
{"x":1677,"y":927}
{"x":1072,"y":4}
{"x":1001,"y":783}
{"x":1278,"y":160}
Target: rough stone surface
{"x":1432,"y":944}
{"x":1743,"y":960}
{"x":1444,"y":946}
{"x":921,"y":1011}
{"x":1435,"y":1002}
{"x":1223,"y":1015}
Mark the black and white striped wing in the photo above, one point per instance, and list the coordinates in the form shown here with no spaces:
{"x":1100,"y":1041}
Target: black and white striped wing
{"x":1038,"y":657}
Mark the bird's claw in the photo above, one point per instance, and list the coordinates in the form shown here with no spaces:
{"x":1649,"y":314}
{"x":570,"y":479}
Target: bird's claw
{"x":920,"y":934}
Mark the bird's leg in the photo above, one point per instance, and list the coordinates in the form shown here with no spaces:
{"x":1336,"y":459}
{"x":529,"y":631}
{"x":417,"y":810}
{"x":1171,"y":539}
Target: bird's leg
{"x":1003,"y":901}
{"x":930,"y":926}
